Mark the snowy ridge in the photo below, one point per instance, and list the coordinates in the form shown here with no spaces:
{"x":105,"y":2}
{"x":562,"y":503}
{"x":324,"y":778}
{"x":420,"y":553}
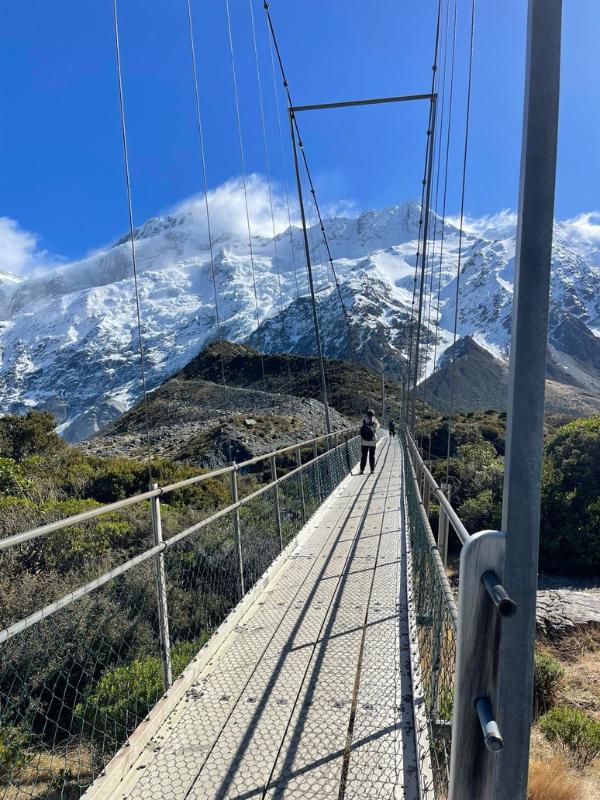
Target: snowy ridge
{"x":69,"y":341}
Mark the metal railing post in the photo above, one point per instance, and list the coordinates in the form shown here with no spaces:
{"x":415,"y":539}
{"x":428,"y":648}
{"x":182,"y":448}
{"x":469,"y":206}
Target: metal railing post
{"x":161,"y":593}
{"x":318,"y":469}
{"x":277,"y":505}
{"x":426,"y":493}
{"x":475,"y":734}
{"x":443,"y":525}
{"x":299,"y":464}
{"x":237,"y":534}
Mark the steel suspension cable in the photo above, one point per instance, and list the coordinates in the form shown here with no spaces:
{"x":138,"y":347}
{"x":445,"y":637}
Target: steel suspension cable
{"x":200,"y":130}
{"x":446,"y":167}
{"x":426,"y":216}
{"x":439,"y":153}
{"x":268,"y":170}
{"x":460,"y":233}
{"x":294,"y":123}
{"x":132,"y":234}
{"x":285,"y":182}
{"x":244,"y":182}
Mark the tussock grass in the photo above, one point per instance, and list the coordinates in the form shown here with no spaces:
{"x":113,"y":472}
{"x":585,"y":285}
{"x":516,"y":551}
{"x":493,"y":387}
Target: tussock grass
{"x":551,"y":780}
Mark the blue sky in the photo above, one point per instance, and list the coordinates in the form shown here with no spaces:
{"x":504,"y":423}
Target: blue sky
{"x":62,"y":174}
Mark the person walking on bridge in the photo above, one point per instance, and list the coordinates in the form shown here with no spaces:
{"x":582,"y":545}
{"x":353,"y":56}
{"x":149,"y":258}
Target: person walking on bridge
{"x":392,"y":428}
{"x":368,"y":441}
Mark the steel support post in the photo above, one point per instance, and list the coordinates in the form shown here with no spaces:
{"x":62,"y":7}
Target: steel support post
{"x":277,"y":504}
{"x":426,"y":494}
{"x":161,"y":594}
{"x":318,"y":469}
{"x":237,"y":531}
{"x":525,"y":417}
{"x":382,"y":395}
{"x":301,"y":476}
{"x":473,"y":756}
{"x":443,"y":530}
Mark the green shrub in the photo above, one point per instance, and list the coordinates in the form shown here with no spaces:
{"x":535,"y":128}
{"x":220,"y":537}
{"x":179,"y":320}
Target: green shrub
{"x":12,"y":478}
{"x":125,"y":695}
{"x":482,"y":512}
{"x":13,"y":755}
{"x":547,"y":677}
{"x":570,"y":522}
{"x":22,"y":436}
{"x":575,"y":731}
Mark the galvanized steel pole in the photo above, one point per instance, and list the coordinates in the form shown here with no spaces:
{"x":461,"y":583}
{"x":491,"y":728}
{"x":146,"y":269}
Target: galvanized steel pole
{"x":237,"y":532}
{"x":161,"y":593}
{"x":521,"y":504}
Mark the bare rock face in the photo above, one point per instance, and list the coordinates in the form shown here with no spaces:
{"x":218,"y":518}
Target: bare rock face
{"x":563,"y":611}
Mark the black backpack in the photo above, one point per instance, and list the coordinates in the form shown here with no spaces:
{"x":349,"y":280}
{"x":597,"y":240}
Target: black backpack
{"x":366,"y":431}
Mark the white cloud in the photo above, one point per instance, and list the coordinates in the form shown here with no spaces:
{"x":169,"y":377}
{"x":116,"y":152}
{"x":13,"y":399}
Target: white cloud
{"x":19,"y":252}
{"x":493,"y":226}
{"x":585,"y":226}
{"x":341,"y":208}
{"x":227,"y":208}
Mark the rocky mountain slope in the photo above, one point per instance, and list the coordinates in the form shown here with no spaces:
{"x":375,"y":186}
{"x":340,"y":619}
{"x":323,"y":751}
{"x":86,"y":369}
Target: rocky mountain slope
{"x":196,"y":418}
{"x":68,"y":337}
{"x":209,"y":425}
{"x":351,"y":387}
{"x":481,"y":382}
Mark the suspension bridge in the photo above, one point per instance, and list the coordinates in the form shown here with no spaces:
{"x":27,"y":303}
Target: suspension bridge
{"x":304,"y":639}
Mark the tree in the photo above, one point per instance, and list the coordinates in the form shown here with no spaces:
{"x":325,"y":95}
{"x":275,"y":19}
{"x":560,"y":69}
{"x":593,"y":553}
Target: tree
{"x":32,"y":434}
{"x":570,"y":522}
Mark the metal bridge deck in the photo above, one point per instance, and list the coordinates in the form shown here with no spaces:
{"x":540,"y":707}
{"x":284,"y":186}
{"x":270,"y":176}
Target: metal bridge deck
{"x":309,"y":695}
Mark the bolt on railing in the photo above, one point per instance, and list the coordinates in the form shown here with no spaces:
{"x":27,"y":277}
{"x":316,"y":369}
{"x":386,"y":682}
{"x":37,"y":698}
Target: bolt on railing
{"x":80,"y":669}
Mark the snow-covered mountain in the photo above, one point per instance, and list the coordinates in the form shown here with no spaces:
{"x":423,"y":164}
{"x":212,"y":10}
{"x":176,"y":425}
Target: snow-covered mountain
{"x":69,"y":341}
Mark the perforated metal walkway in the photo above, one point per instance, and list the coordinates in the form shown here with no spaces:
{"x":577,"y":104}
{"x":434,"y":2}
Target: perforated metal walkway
{"x":309,"y":694}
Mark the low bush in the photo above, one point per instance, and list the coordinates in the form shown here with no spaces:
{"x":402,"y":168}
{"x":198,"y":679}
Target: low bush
{"x":481,"y":512}
{"x":125,"y":695}
{"x":13,"y":755}
{"x":547,"y":677}
{"x":574,"y":731}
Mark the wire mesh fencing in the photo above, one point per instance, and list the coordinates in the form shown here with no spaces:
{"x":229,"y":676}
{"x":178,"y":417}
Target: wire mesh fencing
{"x":436,"y":619}
{"x":90,"y":639}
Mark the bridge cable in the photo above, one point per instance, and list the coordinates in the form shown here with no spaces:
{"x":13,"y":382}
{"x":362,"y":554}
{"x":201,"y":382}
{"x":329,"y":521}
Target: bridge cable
{"x":312,"y":190}
{"x":418,"y":253}
{"x":460,"y":233}
{"x":200,"y":130}
{"x":132,"y":236}
{"x":244,"y":182}
{"x":441,"y":221}
{"x":446,"y":167}
{"x":284,"y":332}
{"x":425,"y":217}
{"x":285,"y":184}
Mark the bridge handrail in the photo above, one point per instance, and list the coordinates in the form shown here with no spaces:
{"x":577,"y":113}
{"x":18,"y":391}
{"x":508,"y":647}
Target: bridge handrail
{"x":107,"y":508}
{"x":434,"y":487}
{"x":154,"y":609}
{"x":476,"y":629}
{"x":22,"y":624}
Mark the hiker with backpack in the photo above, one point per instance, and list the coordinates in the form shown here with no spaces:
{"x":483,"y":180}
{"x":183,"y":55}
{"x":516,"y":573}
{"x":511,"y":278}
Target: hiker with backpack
{"x":368,"y":441}
{"x":392,"y":428}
